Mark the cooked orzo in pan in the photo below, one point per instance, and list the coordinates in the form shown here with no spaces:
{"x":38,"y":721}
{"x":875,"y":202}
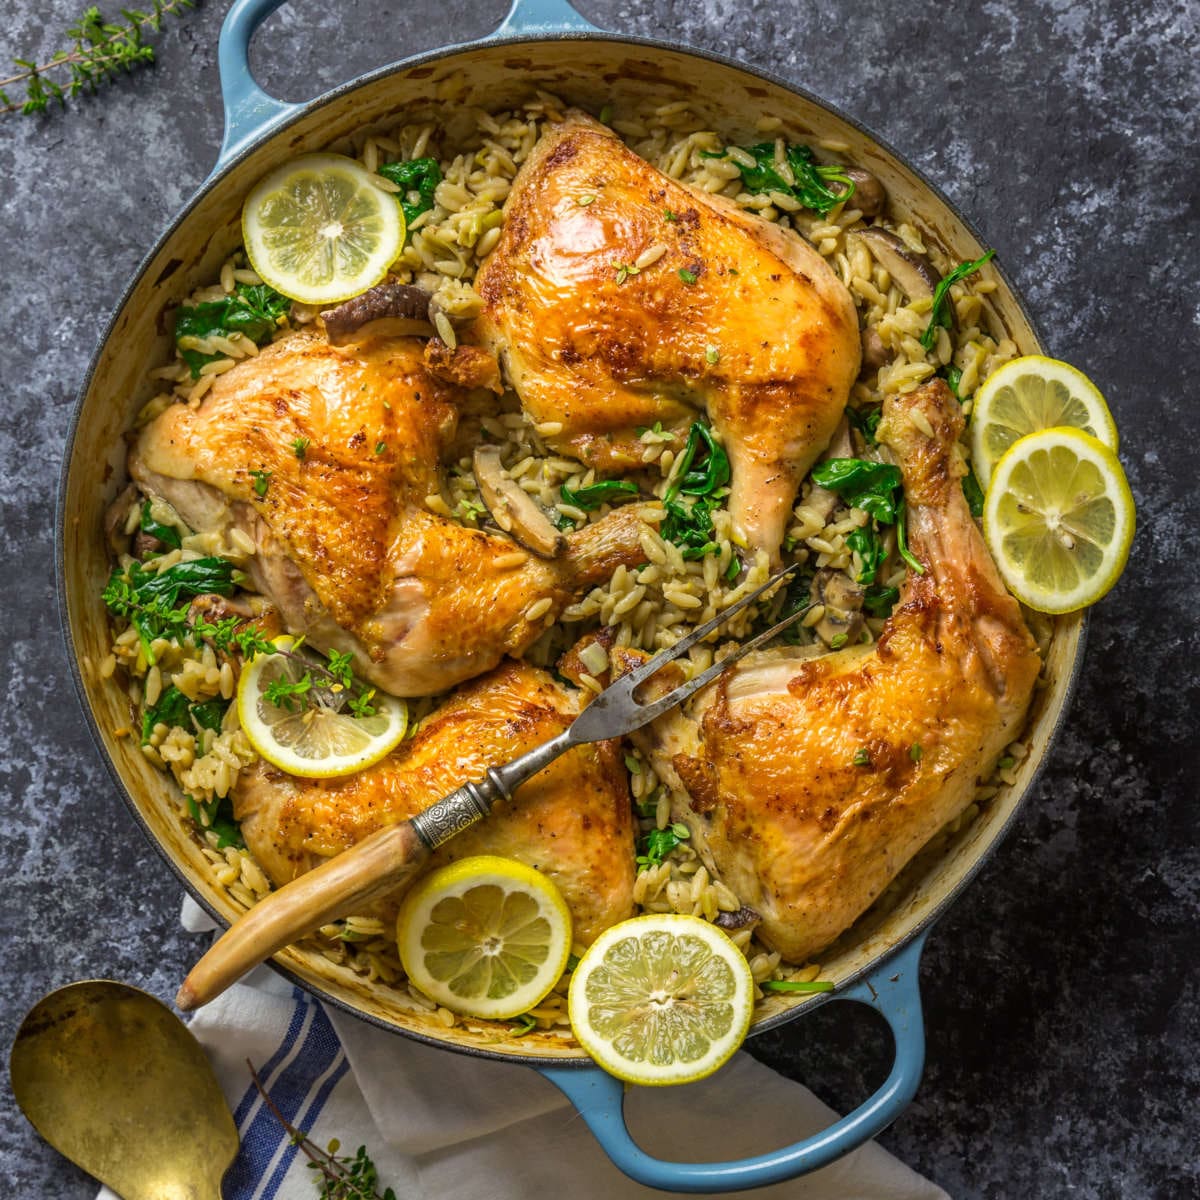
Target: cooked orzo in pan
{"x":620,"y":369}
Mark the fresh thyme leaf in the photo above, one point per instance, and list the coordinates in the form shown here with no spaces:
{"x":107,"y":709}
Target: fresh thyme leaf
{"x":584,"y":201}
{"x":915,"y":752}
{"x":796,"y":985}
{"x":811,"y":188}
{"x":419,"y":177}
{"x":939,"y":313}
{"x":341,"y":667}
{"x":101,"y":49}
{"x":380,"y":448}
{"x":165,"y":534}
{"x":688,"y":277}
{"x":300,"y":447}
{"x":591,"y":497}
{"x":658,"y":843}
{"x":668,"y":215}
{"x":262,"y":481}
{"x":289,"y":694}
{"x":862,"y":758}
{"x":712,"y":355}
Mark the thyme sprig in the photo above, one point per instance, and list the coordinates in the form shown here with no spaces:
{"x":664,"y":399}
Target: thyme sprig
{"x":100,"y":51}
{"x":342,"y":1176}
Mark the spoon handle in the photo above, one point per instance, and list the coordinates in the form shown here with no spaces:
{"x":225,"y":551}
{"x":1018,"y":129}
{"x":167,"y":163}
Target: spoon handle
{"x":378,"y":865}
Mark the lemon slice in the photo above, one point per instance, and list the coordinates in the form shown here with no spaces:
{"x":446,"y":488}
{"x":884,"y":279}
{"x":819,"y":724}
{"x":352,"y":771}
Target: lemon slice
{"x":1059,"y":518}
{"x":485,"y":936}
{"x":1029,"y":394}
{"x":319,"y":230}
{"x":661,"y":999}
{"x":315,"y":740}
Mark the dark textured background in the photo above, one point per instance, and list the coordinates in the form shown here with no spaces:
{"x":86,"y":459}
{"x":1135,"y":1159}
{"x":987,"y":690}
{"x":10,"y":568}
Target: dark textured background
{"x":1062,"y":992}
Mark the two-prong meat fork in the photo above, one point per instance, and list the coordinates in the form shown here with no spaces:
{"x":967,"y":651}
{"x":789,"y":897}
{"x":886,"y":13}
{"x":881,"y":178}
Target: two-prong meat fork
{"x":388,"y":859}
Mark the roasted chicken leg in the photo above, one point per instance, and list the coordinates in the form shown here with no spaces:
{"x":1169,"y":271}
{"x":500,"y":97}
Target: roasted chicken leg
{"x":572,"y":821}
{"x":808,"y":785}
{"x":323,"y":455}
{"x":735,"y":317}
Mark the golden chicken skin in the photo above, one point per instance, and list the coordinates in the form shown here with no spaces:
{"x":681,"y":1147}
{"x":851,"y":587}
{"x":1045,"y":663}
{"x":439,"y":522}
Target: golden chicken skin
{"x":572,"y":821}
{"x":808,"y":784}
{"x":617,"y":298}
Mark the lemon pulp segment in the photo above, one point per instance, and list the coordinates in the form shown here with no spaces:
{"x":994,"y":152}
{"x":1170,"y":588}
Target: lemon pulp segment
{"x":319,"y":230}
{"x":1059,"y":519}
{"x":661,"y":999}
{"x":1029,"y":394}
{"x":486,"y":936}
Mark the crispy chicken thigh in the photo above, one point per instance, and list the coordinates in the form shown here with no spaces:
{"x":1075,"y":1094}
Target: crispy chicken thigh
{"x":803,"y":781}
{"x":572,"y":821}
{"x":345,"y":547}
{"x":736,"y":317}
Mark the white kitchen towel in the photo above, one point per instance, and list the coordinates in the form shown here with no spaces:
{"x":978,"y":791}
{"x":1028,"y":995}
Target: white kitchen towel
{"x":440,"y":1125}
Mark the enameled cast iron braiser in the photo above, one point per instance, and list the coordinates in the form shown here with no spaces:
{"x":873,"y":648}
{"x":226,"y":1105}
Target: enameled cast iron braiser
{"x":541,"y":43}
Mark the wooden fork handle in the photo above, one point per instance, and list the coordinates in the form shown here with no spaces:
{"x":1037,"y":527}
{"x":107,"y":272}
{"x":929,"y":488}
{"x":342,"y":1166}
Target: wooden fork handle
{"x":378,"y":865}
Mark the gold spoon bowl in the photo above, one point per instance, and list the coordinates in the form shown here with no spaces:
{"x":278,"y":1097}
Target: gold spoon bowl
{"x":112,"y":1079}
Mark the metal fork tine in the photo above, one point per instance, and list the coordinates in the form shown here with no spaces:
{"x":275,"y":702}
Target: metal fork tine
{"x":616,"y":711}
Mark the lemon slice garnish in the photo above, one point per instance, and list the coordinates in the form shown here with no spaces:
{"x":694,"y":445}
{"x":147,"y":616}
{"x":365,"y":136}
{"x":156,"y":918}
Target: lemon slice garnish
{"x":661,"y":999}
{"x":311,"y":739}
{"x":319,"y":230}
{"x":485,"y":936}
{"x":1059,"y":519}
{"x":1029,"y":394}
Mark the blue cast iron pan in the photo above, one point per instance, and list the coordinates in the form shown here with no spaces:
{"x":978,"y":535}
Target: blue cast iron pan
{"x":548,"y":43}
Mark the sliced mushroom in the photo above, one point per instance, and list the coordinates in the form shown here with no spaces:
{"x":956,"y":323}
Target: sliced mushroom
{"x":874,"y":352}
{"x":117,"y":519}
{"x":916,"y":275}
{"x":842,"y":621}
{"x":744,"y":917}
{"x":512,"y":508}
{"x":395,"y":309}
{"x":869,"y":194}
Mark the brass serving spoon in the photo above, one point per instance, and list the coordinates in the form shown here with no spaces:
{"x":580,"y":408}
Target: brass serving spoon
{"x":112,"y":1079}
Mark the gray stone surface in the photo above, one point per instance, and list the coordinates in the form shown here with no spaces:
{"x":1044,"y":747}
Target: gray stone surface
{"x":1061,"y":993}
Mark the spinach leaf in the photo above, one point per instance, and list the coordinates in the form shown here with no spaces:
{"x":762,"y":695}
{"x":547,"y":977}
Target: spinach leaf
{"x":217,"y":815}
{"x":869,"y":486}
{"x":591,"y":497}
{"x":797,"y":985}
{"x":701,"y":474}
{"x":879,"y":600}
{"x":154,"y":602}
{"x":953,"y":377}
{"x":252,"y":310}
{"x":690,"y":526}
{"x":866,"y":421}
{"x":209,"y":714}
{"x":869,"y":547}
{"x":902,"y":541}
{"x":811,"y":187}
{"x":165,"y":534}
{"x":939,"y":314}
{"x":174,"y":708}
{"x":703,"y":467}
{"x":973,"y":493}
{"x":171,"y":709}
{"x":798,"y":596}
{"x":420,"y":175}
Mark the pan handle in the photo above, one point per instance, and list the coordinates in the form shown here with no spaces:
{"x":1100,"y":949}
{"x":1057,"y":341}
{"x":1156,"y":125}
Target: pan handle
{"x":249,"y":111}
{"x":891,"y":989}
{"x":536,"y":17}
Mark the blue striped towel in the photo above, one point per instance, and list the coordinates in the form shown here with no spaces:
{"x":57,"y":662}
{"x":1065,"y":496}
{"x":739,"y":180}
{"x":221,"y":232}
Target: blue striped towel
{"x":444,"y":1125}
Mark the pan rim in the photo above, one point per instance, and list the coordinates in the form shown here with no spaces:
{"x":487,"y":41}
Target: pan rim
{"x":251,"y":147}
